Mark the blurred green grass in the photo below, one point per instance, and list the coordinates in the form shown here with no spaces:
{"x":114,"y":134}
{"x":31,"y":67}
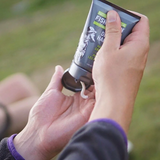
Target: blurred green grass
{"x":41,"y":37}
{"x":36,"y":34}
{"x":48,"y":31}
{"x":145,"y":127}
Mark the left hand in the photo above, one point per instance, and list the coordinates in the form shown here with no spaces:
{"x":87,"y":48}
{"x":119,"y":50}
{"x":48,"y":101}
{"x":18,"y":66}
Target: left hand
{"x":53,"y":120}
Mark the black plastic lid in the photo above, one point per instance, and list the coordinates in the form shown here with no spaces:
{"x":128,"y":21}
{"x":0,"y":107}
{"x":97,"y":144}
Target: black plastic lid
{"x":71,"y":83}
{"x":72,"y":77}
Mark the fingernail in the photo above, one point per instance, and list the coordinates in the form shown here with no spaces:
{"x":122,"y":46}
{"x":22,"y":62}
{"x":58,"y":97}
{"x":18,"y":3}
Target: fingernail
{"x":111,"y":16}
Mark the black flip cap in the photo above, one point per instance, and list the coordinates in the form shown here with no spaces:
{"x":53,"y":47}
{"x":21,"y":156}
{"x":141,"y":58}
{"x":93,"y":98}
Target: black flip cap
{"x":72,"y":77}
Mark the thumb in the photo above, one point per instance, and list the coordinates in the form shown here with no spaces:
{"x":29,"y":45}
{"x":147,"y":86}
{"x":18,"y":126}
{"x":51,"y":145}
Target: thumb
{"x":55,"y":82}
{"x":112,"y":32}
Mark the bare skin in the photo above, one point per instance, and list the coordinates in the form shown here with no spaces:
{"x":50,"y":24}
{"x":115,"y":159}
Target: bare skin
{"x":16,"y":87}
{"x":18,"y":94}
{"x":55,"y":117}
{"x":122,"y":68}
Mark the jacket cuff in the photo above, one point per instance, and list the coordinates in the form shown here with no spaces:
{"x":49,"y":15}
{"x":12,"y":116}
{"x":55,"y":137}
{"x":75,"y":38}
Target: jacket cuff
{"x":116,"y":125}
{"x":12,"y":148}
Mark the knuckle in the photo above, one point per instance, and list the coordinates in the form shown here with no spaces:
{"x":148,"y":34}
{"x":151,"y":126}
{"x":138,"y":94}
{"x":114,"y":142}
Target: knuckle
{"x":146,"y":18}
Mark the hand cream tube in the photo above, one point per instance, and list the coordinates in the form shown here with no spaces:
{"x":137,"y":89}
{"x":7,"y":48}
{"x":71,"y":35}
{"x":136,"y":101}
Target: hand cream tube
{"x":91,"y":41}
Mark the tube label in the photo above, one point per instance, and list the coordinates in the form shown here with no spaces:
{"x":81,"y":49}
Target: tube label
{"x":93,"y":34}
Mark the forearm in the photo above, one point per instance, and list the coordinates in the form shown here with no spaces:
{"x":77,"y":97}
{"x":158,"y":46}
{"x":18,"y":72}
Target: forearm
{"x":114,"y":105}
{"x":27,"y":144}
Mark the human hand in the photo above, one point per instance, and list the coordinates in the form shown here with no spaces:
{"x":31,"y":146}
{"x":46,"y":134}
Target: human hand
{"x":118,"y":70}
{"x":53,"y":120}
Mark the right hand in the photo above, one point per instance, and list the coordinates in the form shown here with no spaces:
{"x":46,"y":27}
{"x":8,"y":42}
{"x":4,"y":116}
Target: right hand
{"x":118,"y":70}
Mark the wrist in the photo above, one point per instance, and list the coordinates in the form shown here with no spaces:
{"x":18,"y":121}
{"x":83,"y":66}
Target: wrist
{"x":113,"y":106}
{"x":27,"y":145}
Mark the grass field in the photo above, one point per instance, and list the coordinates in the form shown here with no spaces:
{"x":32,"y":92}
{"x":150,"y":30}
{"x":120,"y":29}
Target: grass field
{"x":37,"y":35}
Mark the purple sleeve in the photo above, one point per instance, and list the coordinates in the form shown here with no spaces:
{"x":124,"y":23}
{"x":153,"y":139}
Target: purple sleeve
{"x":110,"y":122}
{"x":116,"y":125}
{"x":12,"y":148}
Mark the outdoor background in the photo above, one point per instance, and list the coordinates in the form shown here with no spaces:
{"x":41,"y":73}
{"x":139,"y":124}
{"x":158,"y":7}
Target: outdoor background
{"x":36,"y":35}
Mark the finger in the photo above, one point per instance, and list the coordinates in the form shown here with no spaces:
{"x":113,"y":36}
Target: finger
{"x":55,"y":82}
{"x":90,"y":92}
{"x":91,"y":95}
{"x":91,"y":88}
{"x":142,"y":25}
{"x":140,"y":34}
{"x":112,"y":32}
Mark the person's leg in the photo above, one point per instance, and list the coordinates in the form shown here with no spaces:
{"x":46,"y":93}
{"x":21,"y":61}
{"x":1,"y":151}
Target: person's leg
{"x":15,"y":88}
{"x":19,"y":112}
{"x":17,"y":95}
{"x":4,"y":121}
